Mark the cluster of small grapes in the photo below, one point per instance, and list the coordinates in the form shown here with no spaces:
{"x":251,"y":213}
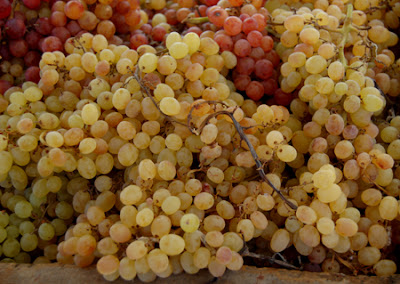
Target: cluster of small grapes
{"x":247,"y":38}
{"x":59,"y":149}
{"x":339,"y":65}
{"x":34,"y":27}
{"x":150,"y":162}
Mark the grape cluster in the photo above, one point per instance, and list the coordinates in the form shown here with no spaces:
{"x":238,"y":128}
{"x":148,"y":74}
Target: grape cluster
{"x":150,"y":152}
{"x":69,"y":144}
{"x":33,"y":27}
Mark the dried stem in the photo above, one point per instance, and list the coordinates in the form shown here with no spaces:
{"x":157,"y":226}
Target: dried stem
{"x":239,"y":129}
{"x":245,"y":252}
{"x":243,"y":136}
{"x":347,"y":27}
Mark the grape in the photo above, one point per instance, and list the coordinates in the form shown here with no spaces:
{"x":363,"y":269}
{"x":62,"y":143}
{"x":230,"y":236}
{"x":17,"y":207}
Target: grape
{"x":385,"y":267}
{"x":171,"y":204}
{"x":189,"y":223}
{"x":23,"y":209}
{"x":107,"y":265}
{"x":127,"y":269}
{"x":157,"y":260}
{"x":5,"y":8}
{"x":232,"y":25}
{"x":172,"y":244}
{"x":46,"y":231}
{"x":369,"y":255}
{"x":15,"y":28}
{"x":11,"y":247}
{"x":74,"y":10}
{"x":144,"y":217}
{"x":120,"y":233}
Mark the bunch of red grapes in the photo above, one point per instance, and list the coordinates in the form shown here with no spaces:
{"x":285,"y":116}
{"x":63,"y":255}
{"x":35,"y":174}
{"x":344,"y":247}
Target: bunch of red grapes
{"x":32,"y":27}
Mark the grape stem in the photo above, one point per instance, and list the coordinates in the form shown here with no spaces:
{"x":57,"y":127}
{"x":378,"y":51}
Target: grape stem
{"x":13,"y":8}
{"x":259,"y":165}
{"x":243,"y":136}
{"x":196,"y":20}
{"x":245,"y":252}
{"x":345,"y":30}
{"x":346,"y":263}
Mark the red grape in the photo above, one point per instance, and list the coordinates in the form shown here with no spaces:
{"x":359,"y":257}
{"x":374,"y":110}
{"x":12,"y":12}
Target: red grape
{"x":123,"y":7}
{"x":4,"y":86}
{"x":210,"y":2}
{"x":270,"y":86}
{"x":158,"y":33}
{"x":201,"y":11}
{"x":244,"y":17}
{"x":261,"y":21}
{"x":88,"y":21}
{"x":134,"y":4}
{"x":58,"y":6}
{"x":103,"y":11}
{"x":5,"y":9}
{"x":263,"y":69}
{"x":236,"y":3}
{"x":273,"y":56}
{"x":51,"y":43}
{"x":224,"y":41}
{"x":5,"y":53}
{"x":195,"y":30}
{"x":18,"y":47}
{"x":73,"y":27}
{"x":32,"y":38}
{"x":106,"y":28}
{"x":15,"y":28}
{"x":217,"y":16}
{"x":120,"y":23}
{"x":170,"y":14}
{"x":138,"y":40}
{"x":238,"y":36}
{"x":282,"y":98}
{"x":250,"y":24}
{"x":245,"y":65}
{"x":32,"y":74}
{"x":32,"y":58}
{"x":62,"y":33}
{"x":32,"y":4}
{"x":257,"y":53}
{"x":242,"y":48}
{"x":58,"y":19}
{"x":43,"y":26}
{"x":233,"y":25}
{"x":146,"y":28}
{"x":182,"y":14}
{"x":241,"y":82}
{"x":255,"y":90}
{"x":267,"y":43}
{"x":254,"y":38}
{"x":132,"y":18}
{"x":74,"y":9}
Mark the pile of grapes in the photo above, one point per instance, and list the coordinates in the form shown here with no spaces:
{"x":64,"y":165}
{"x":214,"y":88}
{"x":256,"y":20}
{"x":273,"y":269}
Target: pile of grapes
{"x":152,"y":138}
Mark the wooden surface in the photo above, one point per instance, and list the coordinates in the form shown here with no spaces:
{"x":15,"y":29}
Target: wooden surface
{"x":68,"y":274}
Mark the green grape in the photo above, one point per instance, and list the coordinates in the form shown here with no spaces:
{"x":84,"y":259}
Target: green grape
{"x":46,"y":231}
{"x":29,"y":242}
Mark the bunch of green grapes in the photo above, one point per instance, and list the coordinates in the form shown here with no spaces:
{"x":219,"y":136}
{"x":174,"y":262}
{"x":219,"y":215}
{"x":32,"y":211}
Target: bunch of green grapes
{"x":103,"y":110}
